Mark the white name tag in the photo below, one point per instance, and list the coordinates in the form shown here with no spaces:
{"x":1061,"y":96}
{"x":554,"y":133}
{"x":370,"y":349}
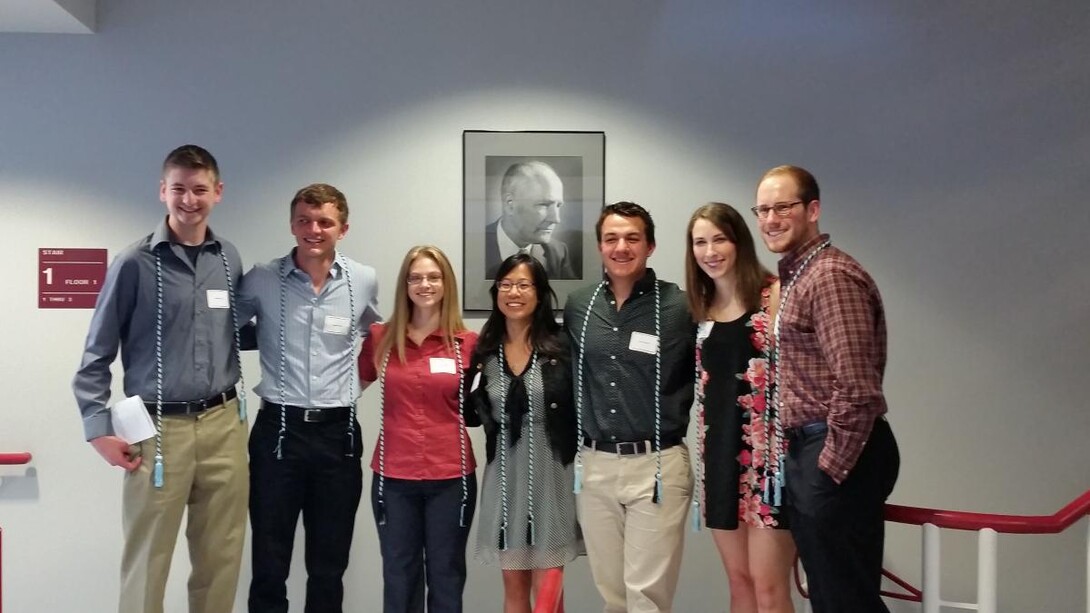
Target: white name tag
{"x":704,"y":330}
{"x":644,"y":343}
{"x":218,"y":299}
{"x":335,"y":325}
{"x":442,"y":365}
{"x":476,"y":382}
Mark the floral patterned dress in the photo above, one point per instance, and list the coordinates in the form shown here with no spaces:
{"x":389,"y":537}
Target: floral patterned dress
{"x":732,"y":370}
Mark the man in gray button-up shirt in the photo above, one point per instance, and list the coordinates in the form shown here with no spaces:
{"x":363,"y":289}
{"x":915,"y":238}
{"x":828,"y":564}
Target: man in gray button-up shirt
{"x":634,"y":344}
{"x":168,"y":296}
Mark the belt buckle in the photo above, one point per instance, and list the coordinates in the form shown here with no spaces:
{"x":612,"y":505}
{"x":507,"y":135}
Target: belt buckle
{"x":195,"y":406}
{"x":636,"y":447}
{"x":311,"y":416}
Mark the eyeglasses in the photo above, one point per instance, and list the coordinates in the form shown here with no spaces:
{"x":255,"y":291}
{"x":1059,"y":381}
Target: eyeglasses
{"x":781,"y":209}
{"x":507,"y":287}
{"x":418,"y":279}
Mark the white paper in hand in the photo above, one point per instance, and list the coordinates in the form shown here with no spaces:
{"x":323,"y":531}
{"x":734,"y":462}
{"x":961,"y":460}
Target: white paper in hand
{"x":131,"y":420}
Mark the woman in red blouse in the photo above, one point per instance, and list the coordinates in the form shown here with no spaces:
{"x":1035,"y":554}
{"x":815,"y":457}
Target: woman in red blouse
{"x":424,"y":490}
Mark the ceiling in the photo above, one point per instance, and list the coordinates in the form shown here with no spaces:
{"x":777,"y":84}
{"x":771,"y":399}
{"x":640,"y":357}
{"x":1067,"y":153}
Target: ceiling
{"x":48,"y":16}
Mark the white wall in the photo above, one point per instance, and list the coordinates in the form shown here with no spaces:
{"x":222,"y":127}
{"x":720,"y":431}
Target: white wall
{"x":950,"y":139}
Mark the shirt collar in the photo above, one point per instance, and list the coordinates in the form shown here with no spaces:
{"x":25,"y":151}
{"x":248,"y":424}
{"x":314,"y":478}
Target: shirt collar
{"x":287,"y":265}
{"x":788,"y":262}
{"x":645,"y":284}
{"x":437,"y":335}
{"x":507,"y":246}
{"x":162,"y":235}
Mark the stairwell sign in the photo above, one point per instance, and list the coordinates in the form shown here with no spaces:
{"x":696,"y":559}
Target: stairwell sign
{"x":70,"y":278}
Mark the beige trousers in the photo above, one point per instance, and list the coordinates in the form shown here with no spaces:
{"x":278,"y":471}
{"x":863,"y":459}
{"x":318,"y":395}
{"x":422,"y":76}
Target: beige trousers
{"x":634,"y":545}
{"x":205,"y":469}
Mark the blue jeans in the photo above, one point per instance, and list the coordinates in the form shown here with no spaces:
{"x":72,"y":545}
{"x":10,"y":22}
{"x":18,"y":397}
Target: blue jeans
{"x":422,"y":542}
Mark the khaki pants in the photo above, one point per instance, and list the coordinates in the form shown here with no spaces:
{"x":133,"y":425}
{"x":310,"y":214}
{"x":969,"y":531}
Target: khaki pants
{"x":205,"y":469}
{"x":634,"y":545}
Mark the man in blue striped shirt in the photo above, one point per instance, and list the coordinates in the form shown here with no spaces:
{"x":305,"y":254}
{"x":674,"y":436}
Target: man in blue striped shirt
{"x":312,"y":307}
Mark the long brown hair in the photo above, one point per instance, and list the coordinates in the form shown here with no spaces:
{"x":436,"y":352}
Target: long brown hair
{"x":450,"y":314}
{"x":750,"y":275}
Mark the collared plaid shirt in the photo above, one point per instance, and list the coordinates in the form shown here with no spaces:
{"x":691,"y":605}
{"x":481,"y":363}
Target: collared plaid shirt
{"x":832,"y":352}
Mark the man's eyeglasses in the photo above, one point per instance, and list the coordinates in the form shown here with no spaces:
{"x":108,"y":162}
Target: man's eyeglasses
{"x":431,"y":279}
{"x":507,"y":287}
{"x":781,"y":209}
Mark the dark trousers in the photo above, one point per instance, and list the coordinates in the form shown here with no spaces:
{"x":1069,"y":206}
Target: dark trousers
{"x":316,"y":478}
{"x":422,"y":542}
{"x":839,"y":529}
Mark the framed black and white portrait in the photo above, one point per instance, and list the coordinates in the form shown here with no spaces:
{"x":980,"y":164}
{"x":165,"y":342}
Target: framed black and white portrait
{"x":535,"y":192}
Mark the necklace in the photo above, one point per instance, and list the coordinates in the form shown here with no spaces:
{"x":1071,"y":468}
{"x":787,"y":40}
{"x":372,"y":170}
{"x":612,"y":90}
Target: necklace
{"x":157,"y":470}
{"x":380,"y":514}
{"x":774,"y":468}
{"x":504,"y":419}
{"x":353,"y":375}
{"x":579,"y":393}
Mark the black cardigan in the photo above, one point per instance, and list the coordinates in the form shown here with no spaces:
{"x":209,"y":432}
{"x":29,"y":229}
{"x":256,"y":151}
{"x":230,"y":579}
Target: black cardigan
{"x":556,"y":374}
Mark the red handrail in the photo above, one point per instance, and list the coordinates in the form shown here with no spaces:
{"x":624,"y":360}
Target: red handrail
{"x":21,"y":457}
{"x":961,"y":520}
{"x":1004,"y":524}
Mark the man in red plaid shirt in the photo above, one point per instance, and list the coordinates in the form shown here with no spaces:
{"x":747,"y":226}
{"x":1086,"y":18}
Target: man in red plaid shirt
{"x":842,"y":460}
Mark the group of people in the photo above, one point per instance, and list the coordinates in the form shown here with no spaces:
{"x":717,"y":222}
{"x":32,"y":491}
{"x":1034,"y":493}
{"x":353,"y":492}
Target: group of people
{"x":585,"y":422}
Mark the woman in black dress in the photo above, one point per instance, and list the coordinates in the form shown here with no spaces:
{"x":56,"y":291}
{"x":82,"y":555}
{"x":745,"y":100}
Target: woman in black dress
{"x":740,"y":443}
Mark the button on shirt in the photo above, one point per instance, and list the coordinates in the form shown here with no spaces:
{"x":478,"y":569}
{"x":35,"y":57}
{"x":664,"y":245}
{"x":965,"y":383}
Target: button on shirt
{"x":422,"y":417}
{"x":197,"y":332}
{"x":319,"y":357}
{"x":832,"y":352}
{"x":619,"y":381}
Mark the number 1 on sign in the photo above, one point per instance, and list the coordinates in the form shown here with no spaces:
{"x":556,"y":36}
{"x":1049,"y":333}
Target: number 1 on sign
{"x":48,"y":272}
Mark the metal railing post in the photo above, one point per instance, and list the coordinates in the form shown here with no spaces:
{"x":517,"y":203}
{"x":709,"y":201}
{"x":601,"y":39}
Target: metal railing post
{"x":987,"y":577}
{"x":932,"y":553}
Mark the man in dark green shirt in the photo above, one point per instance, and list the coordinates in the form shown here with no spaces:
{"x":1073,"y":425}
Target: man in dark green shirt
{"x":633,"y":340}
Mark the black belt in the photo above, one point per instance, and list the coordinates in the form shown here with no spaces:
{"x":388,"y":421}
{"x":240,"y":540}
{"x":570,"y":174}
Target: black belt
{"x":811,"y":429}
{"x":310,"y":416}
{"x":629,"y":448}
{"x":193,"y":407}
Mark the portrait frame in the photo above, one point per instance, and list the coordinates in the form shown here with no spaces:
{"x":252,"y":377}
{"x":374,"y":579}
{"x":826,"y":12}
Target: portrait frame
{"x":577,"y":159}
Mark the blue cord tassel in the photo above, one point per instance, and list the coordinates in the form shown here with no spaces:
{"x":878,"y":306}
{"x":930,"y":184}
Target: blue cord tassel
{"x":694,"y":516}
{"x":280,"y":446}
{"x":157,"y":472}
{"x":530,"y":531}
{"x":381,"y":513}
{"x":578,"y":478}
{"x":765,"y":495}
{"x":778,"y":490}
{"x":658,"y":489}
{"x":242,"y":409}
{"x":462,"y":515}
{"x":503,"y":537}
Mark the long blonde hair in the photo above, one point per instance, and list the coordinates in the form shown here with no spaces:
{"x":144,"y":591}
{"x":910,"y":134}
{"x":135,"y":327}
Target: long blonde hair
{"x":450,"y":314}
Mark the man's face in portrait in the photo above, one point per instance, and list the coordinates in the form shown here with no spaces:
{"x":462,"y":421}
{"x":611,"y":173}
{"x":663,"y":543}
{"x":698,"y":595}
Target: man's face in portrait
{"x":531,"y":206}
